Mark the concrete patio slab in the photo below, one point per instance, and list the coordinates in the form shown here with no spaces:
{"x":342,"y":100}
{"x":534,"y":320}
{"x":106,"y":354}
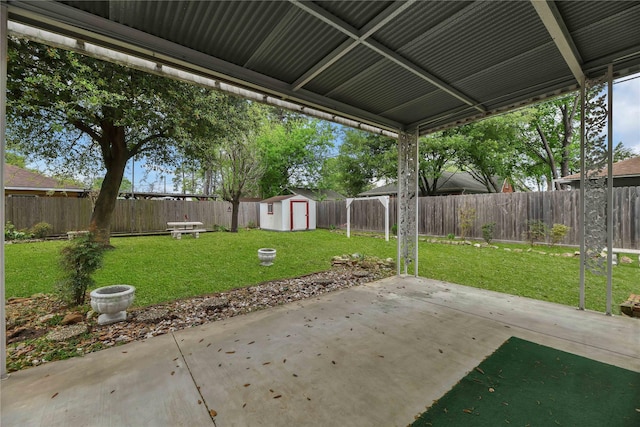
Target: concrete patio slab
{"x":142,"y":384}
{"x":377,"y":354}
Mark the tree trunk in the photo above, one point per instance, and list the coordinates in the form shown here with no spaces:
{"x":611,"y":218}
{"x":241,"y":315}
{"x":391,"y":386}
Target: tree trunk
{"x":550,"y":159}
{"x":235,"y":210}
{"x":115,"y":160}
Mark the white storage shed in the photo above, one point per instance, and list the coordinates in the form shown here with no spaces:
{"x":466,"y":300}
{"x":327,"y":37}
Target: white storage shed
{"x":288,"y":213}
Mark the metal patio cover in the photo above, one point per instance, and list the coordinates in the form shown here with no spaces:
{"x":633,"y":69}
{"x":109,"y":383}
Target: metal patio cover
{"x":395,"y":65}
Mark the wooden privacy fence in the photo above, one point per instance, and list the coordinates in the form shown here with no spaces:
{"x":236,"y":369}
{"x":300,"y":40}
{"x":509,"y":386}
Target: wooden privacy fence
{"x":438,"y":216}
{"x":130,"y":216}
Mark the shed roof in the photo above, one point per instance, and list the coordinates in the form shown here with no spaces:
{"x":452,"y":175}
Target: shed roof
{"x":398,"y":65}
{"x":317,"y":194}
{"x":278,"y":198}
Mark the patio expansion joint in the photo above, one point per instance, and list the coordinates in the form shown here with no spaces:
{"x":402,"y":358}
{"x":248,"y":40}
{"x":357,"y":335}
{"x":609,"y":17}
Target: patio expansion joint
{"x":195,"y":384}
{"x":515,"y":325}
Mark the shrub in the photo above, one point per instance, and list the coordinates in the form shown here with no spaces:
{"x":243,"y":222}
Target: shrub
{"x":487,"y":231}
{"x":79,"y":260}
{"x":251,"y":224}
{"x":41,"y":230}
{"x":394,"y":229}
{"x":536,"y":230}
{"x":451,"y":236}
{"x":220,"y":228}
{"x":466,"y":216}
{"x":10,"y":232}
{"x":558,"y":233}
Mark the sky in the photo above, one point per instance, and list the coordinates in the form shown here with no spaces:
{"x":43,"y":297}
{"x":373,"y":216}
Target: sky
{"x":626,"y":112}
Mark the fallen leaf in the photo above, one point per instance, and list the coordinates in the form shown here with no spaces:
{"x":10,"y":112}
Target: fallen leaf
{"x":124,"y":351}
{"x":212,"y":413}
{"x":333,"y":361}
{"x":199,"y":402}
{"x":173,"y":372}
{"x":467,"y":411}
{"x":271,"y":390}
{"x":295,"y":375}
{"x":208,"y":344}
{"x":251,"y":342}
{"x":381,"y":356}
{"x":440,"y":350}
{"x":247,"y":384}
{"x":308,"y":398}
{"x":278,"y":396}
{"x":491,"y":390}
{"x":201,"y":340}
{"x":480,"y":370}
{"x":175,"y":359}
{"x":244,"y":404}
{"x":54,"y":395}
{"x":230,"y":352}
{"x":266,"y":363}
{"x":284,"y":361}
{"x":112,"y":391}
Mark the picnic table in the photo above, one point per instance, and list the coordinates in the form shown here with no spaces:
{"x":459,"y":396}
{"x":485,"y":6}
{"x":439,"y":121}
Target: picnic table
{"x":177,"y":228}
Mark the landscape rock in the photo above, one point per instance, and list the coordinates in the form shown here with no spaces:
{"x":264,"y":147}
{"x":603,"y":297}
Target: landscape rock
{"x":215,"y":303}
{"x":67,"y":332}
{"x":72,"y":319}
{"x":46,"y":318}
{"x":152,"y":315}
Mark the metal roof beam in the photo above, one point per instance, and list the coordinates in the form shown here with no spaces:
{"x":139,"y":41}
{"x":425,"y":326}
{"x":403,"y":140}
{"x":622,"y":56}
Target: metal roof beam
{"x":552,"y":20}
{"x":347,"y":46}
{"x":382,"y":50}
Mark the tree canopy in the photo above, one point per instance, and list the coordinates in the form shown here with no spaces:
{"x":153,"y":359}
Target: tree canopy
{"x":95,"y":115}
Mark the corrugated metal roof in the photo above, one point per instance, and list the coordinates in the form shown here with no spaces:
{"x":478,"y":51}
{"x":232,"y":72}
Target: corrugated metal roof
{"x":395,"y":65}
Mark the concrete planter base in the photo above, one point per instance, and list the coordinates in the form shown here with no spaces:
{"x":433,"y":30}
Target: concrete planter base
{"x":266,"y":256}
{"x":111,"y":302}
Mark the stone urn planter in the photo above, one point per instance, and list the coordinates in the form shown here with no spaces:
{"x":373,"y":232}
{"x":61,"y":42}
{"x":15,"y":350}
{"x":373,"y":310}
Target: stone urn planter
{"x":111,"y":302}
{"x":266,"y":256}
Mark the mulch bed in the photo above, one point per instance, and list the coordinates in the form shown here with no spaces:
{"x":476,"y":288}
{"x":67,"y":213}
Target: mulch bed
{"x":41,"y":329}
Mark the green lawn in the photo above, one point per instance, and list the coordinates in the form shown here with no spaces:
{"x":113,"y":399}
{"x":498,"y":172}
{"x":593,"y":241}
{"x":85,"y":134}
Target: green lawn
{"x":164,"y":269}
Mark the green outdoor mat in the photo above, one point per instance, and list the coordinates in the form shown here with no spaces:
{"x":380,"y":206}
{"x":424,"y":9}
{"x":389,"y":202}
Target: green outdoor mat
{"x":527,"y":384}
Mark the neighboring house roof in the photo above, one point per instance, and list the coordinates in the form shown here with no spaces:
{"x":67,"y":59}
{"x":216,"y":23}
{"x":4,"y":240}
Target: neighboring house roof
{"x":385,"y":190}
{"x":623,"y":168}
{"x":316,"y":194}
{"x":16,"y":178}
{"x":448,"y":183}
{"x":626,"y":173}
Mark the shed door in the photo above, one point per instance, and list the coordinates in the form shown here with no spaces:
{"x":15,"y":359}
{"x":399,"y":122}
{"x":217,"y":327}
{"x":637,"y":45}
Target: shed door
{"x":299,"y":215}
